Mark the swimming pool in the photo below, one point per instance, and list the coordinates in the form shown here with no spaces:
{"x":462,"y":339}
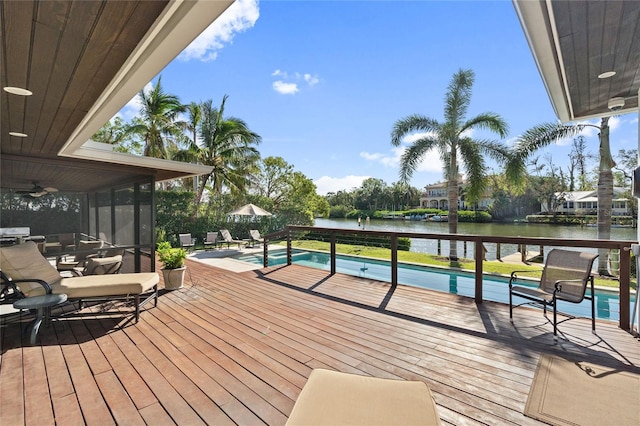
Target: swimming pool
{"x":462,"y":283}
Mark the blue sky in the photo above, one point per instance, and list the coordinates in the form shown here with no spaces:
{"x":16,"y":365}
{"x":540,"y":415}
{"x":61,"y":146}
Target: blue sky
{"x":323,"y":82}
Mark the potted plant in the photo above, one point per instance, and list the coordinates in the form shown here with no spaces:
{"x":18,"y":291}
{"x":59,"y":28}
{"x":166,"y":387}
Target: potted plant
{"x":173,"y":267}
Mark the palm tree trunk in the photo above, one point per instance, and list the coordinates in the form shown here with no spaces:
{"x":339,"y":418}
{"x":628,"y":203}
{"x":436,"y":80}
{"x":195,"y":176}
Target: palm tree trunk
{"x":605,"y":194}
{"x":453,"y":204}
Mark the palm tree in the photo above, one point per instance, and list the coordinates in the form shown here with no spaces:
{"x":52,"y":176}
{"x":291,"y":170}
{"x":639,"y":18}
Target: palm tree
{"x":451,"y":139}
{"x":195,"y":116}
{"x":545,"y":134}
{"x":605,"y":193}
{"x":158,"y":124}
{"x":227,"y":145}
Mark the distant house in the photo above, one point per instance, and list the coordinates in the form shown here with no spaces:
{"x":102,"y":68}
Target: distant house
{"x":435,"y":197}
{"x":586,"y":202}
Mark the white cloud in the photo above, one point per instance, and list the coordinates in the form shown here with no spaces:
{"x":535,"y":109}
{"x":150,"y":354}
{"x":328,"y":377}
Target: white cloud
{"x":288,"y":84}
{"x":285,"y":88}
{"x":327,"y":184}
{"x":615,"y":123}
{"x":430,"y":162}
{"x":312,"y":80}
{"x":239,"y":17}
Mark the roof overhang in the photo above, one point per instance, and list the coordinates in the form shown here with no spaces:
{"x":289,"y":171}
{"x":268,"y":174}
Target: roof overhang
{"x":84,"y":61}
{"x":573,"y":42}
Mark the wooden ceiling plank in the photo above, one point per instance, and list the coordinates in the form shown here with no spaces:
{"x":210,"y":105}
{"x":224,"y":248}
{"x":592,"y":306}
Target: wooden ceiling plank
{"x":82,"y":18}
{"x":43,"y":56}
{"x":573,"y":45}
{"x":16,"y":17}
{"x":629,"y":56}
{"x":104,"y":57}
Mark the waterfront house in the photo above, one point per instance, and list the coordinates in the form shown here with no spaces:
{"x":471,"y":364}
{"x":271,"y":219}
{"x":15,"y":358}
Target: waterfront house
{"x":586,"y":203}
{"x":435,"y":196}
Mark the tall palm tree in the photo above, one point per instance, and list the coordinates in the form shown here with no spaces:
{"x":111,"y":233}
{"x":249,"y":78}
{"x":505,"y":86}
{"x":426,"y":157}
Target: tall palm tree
{"x":605,"y":193}
{"x":451,"y":140}
{"x":545,"y":134}
{"x":227,"y":145}
{"x":195,"y":116}
{"x":158,"y":124}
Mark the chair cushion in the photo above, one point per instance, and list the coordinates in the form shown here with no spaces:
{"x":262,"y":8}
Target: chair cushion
{"x":101,"y":265}
{"x":334,"y":398}
{"x":24,"y":261}
{"x":104,"y":285}
{"x":534,"y":292}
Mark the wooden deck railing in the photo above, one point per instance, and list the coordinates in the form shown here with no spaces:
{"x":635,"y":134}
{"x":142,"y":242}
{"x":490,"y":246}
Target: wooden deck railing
{"x":479,"y":241}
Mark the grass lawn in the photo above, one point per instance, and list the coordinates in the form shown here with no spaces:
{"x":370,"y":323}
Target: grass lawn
{"x":488,"y":266}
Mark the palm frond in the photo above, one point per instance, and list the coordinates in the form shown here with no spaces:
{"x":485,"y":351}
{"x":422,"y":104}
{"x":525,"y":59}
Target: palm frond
{"x":411,"y":124}
{"x":543,"y":135}
{"x":458,"y":96}
{"x":475,"y":167}
{"x":488,"y":120}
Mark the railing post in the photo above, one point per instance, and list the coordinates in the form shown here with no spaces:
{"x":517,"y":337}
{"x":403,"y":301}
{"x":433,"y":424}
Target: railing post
{"x":464,"y":245}
{"x":333,"y":253}
{"x":478,"y":255}
{"x":498,"y":256}
{"x":289,"y":257}
{"x":625,"y":271}
{"x":394,"y":260}
{"x":265,"y":253}
{"x":439,"y":247}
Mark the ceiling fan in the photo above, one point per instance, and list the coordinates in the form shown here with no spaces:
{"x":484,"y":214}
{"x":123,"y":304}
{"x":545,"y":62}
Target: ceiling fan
{"x":37,"y":191}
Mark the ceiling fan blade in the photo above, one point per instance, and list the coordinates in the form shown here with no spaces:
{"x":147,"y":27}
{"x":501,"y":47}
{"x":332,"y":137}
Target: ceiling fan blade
{"x":50,"y":189}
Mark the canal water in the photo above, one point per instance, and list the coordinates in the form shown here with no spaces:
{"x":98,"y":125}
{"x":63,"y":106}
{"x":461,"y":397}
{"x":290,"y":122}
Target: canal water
{"x":493,"y":229}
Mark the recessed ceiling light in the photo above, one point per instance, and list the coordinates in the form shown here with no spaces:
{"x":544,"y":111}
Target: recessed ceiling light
{"x":607,"y":74}
{"x":18,"y":134}
{"x":18,"y":91}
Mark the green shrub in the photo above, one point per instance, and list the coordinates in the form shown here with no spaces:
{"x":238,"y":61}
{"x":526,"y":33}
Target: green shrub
{"x":171,"y":258}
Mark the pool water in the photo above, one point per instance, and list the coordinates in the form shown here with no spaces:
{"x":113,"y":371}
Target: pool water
{"x":461,"y":283}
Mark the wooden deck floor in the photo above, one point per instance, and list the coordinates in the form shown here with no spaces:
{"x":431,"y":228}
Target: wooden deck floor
{"x":236,"y":348}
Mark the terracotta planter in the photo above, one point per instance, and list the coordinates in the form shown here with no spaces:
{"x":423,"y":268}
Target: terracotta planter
{"x":173,"y":278}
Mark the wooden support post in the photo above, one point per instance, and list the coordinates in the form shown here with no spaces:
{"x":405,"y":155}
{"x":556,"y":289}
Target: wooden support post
{"x":478,"y":255}
{"x":333,"y":253}
{"x":498,"y":255}
{"x":394,"y":260}
{"x":625,"y":283}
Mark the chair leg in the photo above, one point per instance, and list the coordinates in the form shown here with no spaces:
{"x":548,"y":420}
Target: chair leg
{"x":593,"y":309}
{"x":137,"y":301}
{"x":510,"y":306}
{"x":555,"y":320}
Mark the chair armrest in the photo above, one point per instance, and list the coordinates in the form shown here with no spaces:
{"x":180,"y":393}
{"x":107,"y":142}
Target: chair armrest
{"x":514,"y":274}
{"x":47,"y":287}
{"x":558,"y":284}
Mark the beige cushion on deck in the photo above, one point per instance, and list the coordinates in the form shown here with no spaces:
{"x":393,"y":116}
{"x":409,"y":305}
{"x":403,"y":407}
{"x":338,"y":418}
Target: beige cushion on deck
{"x":103,"y":285}
{"x":24,"y":261}
{"x":334,"y":398}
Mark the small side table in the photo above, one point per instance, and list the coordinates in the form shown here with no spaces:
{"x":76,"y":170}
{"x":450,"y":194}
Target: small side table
{"x":42,"y":305}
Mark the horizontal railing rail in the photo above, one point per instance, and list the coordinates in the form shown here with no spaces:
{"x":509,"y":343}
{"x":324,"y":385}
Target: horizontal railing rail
{"x":479,"y":251}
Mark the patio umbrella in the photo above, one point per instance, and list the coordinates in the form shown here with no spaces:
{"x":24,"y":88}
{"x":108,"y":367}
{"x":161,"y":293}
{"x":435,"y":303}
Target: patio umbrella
{"x":249,"y":210}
